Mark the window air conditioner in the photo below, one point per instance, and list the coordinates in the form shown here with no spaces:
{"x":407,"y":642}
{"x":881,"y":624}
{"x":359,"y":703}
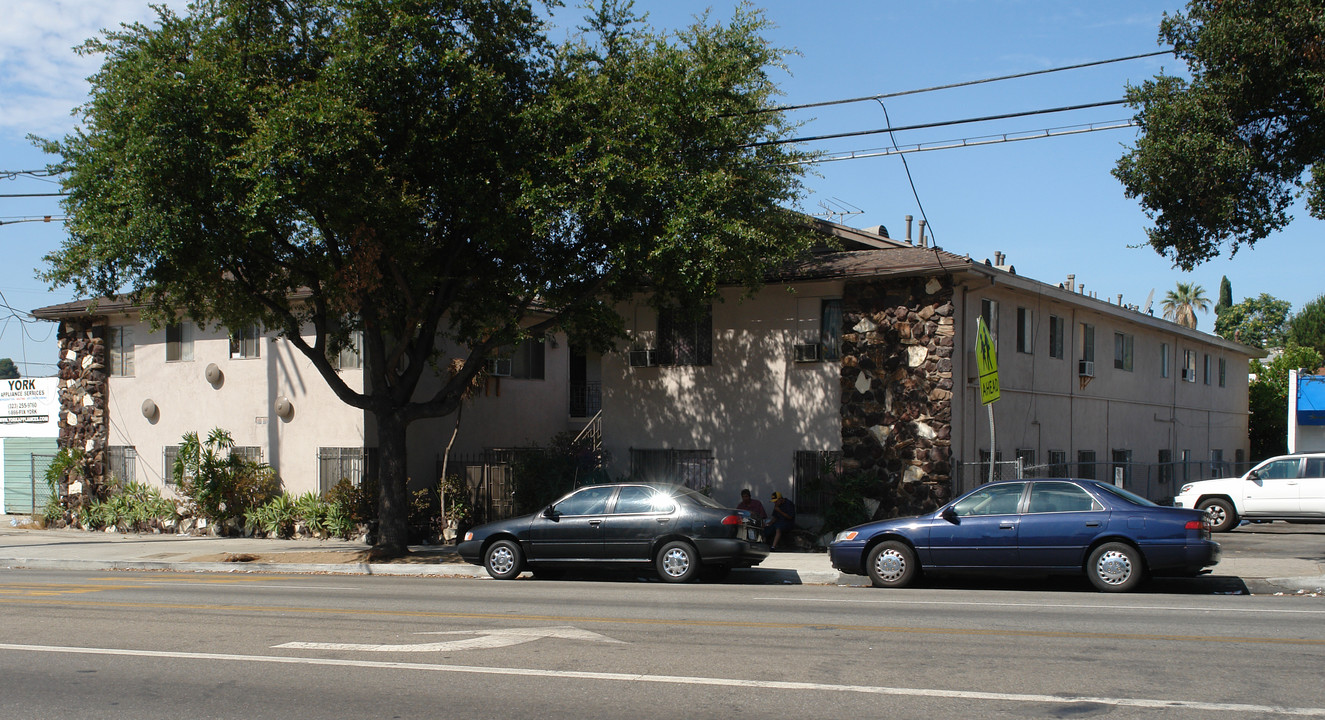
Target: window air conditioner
{"x":499,"y":367}
{"x":643,"y":358}
{"x":1188,"y":375}
{"x":1086,"y":368}
{"x":806,"y":352}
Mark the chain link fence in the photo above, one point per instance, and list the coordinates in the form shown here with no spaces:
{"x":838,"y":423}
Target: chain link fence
{"x":1157,"y":482}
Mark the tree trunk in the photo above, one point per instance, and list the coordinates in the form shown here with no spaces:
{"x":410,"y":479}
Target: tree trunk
{"x":393,"y":488}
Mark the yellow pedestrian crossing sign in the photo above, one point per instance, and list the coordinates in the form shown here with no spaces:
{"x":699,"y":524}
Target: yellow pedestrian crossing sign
{"x":986,"y":360}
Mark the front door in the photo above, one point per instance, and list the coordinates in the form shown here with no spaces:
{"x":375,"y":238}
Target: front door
{"x":573,"y":529}
{"x":1274,"y":491}
{"x":983,"y":531}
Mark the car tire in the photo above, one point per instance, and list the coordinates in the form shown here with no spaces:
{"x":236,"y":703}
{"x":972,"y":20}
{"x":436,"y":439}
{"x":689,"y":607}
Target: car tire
{"x":677,"y":562}
{"x":892,"y":564}
{"x":1115,"y":567}
{"x":1221,"y":514}
{"x":504,"y":560}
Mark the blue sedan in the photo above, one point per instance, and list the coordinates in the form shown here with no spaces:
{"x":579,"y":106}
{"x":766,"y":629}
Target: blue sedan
{"x":1034,"y":526}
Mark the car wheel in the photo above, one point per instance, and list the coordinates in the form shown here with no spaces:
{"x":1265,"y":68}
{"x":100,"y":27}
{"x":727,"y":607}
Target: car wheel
{"x":1115,"y":567}
{"x":677,"y":562}
{"x":892,"y":564}
{"x":504,"y":561}
{"x":1221,"y":514}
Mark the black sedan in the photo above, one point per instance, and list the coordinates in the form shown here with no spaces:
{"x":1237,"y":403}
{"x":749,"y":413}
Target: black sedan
{"x":1034,"y":526}
{"x":682,"y":533}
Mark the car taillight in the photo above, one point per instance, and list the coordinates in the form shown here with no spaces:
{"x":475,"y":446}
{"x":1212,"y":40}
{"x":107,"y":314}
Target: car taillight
{"x":732,"y":520}
{"x":1197,"y":525}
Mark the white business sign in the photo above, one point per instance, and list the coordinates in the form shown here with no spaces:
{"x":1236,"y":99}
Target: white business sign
{"x":30,"y":407}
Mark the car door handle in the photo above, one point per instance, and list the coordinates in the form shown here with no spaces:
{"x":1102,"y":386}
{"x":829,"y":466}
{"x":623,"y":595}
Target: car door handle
{"x":663,"y":521}
{"x":1093,"y":523}
{"x":1006,"y":526}
{"x":596,"y":523}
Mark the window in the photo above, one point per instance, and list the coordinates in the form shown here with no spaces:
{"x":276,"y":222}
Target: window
{"x":830,"y":329}
{"x":528,"y":358}
{"x":1223,"y":371}
{"x":1025,"y":330}
{"x":1285,"y":469}
{"x":1165,"y":465}
{"x":1027,"y":457}
{"x":807,"y":492}
{"x":589,"y":501}
{"x":1122,"y":351}
{"x":1047,"y":497}
{"x":1189,"y":366}
{"x":685,"y":337}
{"x":1086,"y":464}
{"x":1122,"y":468}
{"x":632,"y":499}
{"x":1205,"y":375}
{"x":1217,"y":463}
{"x":169,"y":454}
{"x":121,"y":462}
{"x":244,"y":343}
{"x":350,"y":357}
{"x":1164,"y":360}
{"x":1087,"y":342}
{"x":119,"y":346}
{"x":692,"y":468}
{"x":984,"y":466}
{"x":251,"y":453}
{"x":1055,"y":337}
{"x":989,"y":311}
{"x":1315,"y":468}
{"x":179,"y":342}
{"x":339,"y":463}
{"x":1058,"y":463}
{"x":992,"y":500}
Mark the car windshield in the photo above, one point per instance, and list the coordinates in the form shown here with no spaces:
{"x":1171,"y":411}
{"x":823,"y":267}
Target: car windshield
{"x":1127,"y":495}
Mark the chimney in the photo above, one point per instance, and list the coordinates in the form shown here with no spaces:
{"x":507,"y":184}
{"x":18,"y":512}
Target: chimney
{"x":908,"y":230}
{"x":998,"y":258}
{"x":1120,"y":299}
{"x":923,"y":242}
{"x":1071,"y":282}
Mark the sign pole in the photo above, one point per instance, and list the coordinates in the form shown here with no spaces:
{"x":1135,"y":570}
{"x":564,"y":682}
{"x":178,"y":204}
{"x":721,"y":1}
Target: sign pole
{"x":987,"y":362}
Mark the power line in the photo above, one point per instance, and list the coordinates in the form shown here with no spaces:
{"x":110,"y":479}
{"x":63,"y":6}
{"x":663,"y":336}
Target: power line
{"x":943,"y":123}
{"x":900,"y":93}
{"x":28,"y":195}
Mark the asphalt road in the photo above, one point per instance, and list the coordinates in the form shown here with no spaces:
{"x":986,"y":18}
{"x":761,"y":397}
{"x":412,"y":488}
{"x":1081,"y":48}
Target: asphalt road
{"x":1274,"y":539}
{"x":165,"y":645}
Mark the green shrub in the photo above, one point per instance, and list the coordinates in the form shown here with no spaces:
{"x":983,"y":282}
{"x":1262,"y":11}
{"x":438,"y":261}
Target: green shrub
{"x":275,"y":518}
{"x":356,"y":502}
{"x":217,"y":484}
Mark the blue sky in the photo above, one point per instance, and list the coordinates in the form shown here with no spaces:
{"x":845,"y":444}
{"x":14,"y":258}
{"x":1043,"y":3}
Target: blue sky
{"x":1050,"y":204}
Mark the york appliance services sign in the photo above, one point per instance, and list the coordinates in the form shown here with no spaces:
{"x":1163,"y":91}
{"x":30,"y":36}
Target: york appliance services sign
{"x":30,"y":407}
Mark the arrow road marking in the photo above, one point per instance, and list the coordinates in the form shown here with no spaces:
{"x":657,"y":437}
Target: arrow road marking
{"x":486,"y":639}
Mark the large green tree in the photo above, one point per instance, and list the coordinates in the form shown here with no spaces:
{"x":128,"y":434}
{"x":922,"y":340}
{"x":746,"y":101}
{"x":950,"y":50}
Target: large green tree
{"x":1268,"y":399}
{"x":1223,"y":155}
{"x":434,"y":173}
{"x":1257,"y":321}
{"x":1307,"y":327}
{"x":8,"y":371}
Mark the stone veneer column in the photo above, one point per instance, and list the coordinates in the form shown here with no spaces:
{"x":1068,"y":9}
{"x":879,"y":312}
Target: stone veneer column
{"x":897,"y":347}
{"x":83,"y":390}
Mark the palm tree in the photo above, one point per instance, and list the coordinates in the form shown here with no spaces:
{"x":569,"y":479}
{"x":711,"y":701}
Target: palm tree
{"x":1180,"y":305}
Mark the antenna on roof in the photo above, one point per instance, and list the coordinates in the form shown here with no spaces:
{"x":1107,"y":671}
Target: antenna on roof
{"x":1150,"y":300}
{"x":836,"y":210}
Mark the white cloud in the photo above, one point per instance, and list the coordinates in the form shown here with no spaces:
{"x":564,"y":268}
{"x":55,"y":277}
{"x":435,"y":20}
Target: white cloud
{"x":41,"y":77}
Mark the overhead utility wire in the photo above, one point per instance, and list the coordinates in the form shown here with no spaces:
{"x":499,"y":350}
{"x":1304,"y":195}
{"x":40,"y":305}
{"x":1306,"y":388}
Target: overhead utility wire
{"x":942,"y":123}
{"x":949,"y":86}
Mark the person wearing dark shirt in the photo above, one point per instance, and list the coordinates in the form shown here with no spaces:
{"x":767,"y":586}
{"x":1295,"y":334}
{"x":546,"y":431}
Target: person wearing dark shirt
{"x":752,"y":506}
{"x":782,"y":518}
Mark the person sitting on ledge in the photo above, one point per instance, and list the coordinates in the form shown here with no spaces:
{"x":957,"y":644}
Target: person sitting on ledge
{"x":783,"y":518}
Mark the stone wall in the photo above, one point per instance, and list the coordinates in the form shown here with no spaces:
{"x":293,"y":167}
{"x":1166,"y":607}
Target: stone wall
{"x":83,"y":376}
{"x":897,"y":348}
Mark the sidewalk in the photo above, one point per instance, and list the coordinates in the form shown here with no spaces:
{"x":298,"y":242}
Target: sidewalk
{"x":21,"y":547}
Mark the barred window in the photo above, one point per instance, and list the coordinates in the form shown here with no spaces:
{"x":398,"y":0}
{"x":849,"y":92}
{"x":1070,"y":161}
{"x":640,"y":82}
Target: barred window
{"x":685,"y":337}
{"x":339,"y":463}
{"x":121,"y":462}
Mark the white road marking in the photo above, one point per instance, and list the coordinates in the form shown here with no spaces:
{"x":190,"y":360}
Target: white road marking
{"x":486,"y":639}
{"x":1195,"y":706}
{"x":1038,"y":605}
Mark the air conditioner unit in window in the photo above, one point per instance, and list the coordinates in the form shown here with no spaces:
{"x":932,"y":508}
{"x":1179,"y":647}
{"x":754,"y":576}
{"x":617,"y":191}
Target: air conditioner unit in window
{"x":643,"y":358}
{"x":1188,"y":375}
{"x":499,"y":367}
{"x":1086,"y":368}
{"x":806,"y":352}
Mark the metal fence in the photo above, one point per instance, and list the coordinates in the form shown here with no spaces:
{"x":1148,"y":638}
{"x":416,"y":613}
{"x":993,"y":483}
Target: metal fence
{"x":1157,"y":482}
{"x":490,"y":478}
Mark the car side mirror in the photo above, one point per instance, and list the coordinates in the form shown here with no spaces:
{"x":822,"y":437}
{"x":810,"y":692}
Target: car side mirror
{"x":1253,"y":476}
{"x":949,"y":514}
{"x":549,"y":513}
